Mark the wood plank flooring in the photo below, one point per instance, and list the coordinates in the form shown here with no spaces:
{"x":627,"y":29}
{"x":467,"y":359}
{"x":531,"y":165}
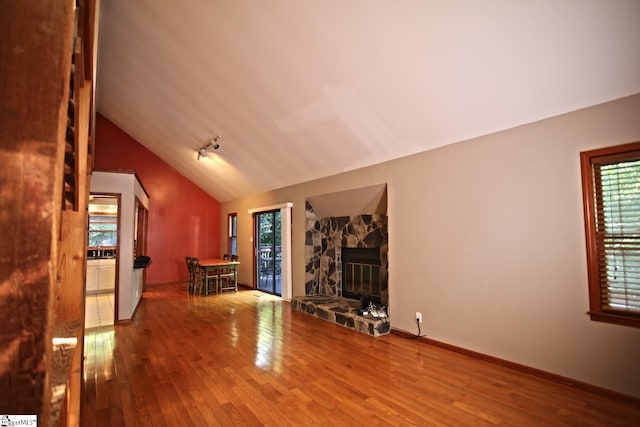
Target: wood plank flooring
{"x":248,"y":359}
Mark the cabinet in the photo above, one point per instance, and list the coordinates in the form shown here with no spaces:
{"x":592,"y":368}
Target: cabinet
{"x":92,"y":276}
{"x":101,"y":275}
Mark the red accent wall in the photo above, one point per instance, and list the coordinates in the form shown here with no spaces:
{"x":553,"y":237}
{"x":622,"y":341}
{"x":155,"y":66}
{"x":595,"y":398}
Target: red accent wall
{"x":183,"y":219}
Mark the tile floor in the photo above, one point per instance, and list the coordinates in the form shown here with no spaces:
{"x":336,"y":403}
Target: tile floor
{"x":99,"y":310}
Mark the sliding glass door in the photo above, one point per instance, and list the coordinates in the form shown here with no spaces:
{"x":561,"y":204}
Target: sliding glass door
{"x":268,"y":251}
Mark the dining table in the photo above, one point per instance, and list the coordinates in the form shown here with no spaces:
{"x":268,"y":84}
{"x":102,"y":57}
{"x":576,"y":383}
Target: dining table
{"x":213,"y":264}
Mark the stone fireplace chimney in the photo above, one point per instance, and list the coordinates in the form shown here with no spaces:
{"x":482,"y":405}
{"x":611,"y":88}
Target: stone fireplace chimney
{"x":328,"y":239}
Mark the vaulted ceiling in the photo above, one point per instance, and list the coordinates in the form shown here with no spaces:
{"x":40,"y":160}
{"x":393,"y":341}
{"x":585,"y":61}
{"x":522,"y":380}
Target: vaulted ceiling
{"x":301,"y":89}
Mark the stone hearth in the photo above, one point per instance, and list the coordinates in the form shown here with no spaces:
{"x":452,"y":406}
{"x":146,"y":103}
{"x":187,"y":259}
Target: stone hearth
{"x":342,"y":311}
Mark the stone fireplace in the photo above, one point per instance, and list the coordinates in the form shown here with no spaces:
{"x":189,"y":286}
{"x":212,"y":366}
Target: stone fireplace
{"x":326,"y":240}
{"x":346,"y":259}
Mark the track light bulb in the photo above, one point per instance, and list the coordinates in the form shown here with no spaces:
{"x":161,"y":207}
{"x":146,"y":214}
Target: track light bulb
{"x":213,"y":143}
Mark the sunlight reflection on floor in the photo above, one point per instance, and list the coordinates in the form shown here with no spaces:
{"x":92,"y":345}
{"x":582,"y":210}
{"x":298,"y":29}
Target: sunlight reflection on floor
{"x":99,"y":345}
{"x":269,"y":332}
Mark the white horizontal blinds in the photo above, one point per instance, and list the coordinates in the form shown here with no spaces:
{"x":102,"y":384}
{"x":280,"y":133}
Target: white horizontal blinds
{"x":617,"y":205}
{"x":103,"y":230}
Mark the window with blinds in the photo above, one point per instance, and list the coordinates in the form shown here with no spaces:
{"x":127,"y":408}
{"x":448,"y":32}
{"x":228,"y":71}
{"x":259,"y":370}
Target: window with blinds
{"x":611,"y":191}
{"x":103,"y":231}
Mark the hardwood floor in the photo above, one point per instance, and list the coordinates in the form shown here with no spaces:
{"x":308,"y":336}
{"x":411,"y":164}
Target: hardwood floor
{"x":248,"y":359}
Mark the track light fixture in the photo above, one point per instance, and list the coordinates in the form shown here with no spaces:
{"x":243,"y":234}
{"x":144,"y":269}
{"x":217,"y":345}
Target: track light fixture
{"x":213,"y":144}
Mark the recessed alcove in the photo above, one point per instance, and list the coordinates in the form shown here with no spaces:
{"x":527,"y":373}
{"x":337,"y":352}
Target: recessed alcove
{"x":355,"y":218}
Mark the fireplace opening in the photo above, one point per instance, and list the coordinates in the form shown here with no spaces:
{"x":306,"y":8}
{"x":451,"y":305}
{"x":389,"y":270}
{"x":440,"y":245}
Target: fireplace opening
{"x":361,"y":274}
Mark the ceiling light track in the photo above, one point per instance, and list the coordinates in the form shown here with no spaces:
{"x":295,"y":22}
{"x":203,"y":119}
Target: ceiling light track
{"x":214,"y":144}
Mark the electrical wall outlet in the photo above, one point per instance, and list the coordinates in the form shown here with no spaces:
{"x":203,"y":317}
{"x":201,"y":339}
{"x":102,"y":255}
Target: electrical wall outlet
{"x":419,"y":317}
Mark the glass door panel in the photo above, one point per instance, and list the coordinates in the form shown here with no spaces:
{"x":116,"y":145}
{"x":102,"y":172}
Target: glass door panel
{"x":268,"y":252}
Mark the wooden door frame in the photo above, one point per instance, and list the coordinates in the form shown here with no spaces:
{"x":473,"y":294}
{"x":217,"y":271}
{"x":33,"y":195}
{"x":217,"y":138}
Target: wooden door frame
{"x":116,"y":288}
{"x":285,"y":239}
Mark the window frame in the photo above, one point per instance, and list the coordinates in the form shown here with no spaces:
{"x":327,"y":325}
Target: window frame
{"x":588,"y":159}
{"x":232,"y":233}
{"x":103,"y":219}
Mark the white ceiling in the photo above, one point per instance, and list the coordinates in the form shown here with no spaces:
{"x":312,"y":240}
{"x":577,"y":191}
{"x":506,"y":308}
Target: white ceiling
{"x":301,"y":89}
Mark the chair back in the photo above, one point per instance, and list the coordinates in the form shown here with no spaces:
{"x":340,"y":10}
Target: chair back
{"x":229,"y":275}
{"x":192,"y":270}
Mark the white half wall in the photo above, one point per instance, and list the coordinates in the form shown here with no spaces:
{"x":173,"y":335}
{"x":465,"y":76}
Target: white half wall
{"x":129,"y":188}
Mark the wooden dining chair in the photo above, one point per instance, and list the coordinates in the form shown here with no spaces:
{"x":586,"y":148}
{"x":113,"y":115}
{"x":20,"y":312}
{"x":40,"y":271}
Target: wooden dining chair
{"x":229,"y":276}
{"x":199,"y":279}
{"x":191,"y":283}
{"x":207,"y":277}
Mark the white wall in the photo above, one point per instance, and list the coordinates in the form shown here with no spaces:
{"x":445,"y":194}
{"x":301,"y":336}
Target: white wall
{"x":486,"y":239}
{"x":137,"y":274}
{"x":129,"y":188}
